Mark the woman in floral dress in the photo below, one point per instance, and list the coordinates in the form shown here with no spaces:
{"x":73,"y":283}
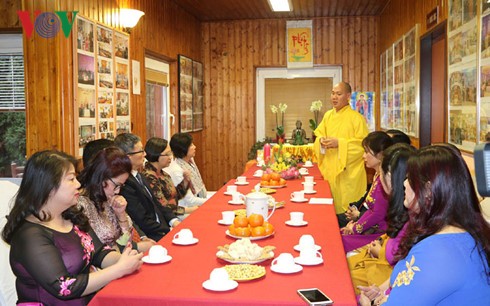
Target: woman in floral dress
{"x":52,"y":244}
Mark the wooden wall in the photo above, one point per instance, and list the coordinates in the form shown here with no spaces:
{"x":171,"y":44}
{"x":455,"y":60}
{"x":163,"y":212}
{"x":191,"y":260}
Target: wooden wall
{"x":232,"y":51}
{"x":165,"y":31}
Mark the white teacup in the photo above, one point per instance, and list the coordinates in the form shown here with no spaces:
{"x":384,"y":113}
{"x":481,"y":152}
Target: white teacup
{"x":219,"y":276}
{"x":283,"y":260}
{"x":308,"y":163}
{"x":157,"y":252}
{"x":303,"y":171}
{"x":228,"y":216}
{"x":309,"y":179}
{"x":241,"y":179}
{"x":184,"y":235}
{"x":298,"y":195}
{"x":309,"y":254}
{"x":296,"y":217}
{"x":259,"y":172}
{"x":308,"y":187}
{"x":306,"y":241}
{"x":236,"y":197}
{"x":231,"y":188}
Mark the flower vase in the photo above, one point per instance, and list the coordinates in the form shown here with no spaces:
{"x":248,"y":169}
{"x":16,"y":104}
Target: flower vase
{"x":280,"y":138}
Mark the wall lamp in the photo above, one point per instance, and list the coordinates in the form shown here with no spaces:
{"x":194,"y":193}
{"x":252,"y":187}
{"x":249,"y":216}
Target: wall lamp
{"x":129,"y":18}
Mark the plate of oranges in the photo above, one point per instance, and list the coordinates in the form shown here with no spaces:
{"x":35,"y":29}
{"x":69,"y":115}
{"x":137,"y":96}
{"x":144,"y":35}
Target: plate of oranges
{"x":254,"y":227}
{"x":272,"y":180}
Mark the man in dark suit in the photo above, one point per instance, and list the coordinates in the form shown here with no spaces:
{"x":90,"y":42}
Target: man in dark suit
{"x":154,"y":219}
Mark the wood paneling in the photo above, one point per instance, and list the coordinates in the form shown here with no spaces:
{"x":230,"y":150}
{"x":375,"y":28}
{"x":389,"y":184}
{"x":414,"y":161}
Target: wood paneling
{"x":232,"y":50}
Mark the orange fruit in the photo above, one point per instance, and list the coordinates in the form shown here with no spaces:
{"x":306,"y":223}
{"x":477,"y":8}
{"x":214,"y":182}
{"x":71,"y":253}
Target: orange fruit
{"x":273,"y":183}
{"x":258,"y":231}
{"x":282,"y":182}
{"x":242,"y":231}
{"x":269,"y":228}
{"x":266,"y":177}
{"x":240,"y":221}
{"x":275,"y":176}
{"x":231,"y":229}
{"x":264,"y":183}
{"x":255,"y":220}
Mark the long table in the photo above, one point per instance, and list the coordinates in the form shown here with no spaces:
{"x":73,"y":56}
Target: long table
{"x":179,"y":282}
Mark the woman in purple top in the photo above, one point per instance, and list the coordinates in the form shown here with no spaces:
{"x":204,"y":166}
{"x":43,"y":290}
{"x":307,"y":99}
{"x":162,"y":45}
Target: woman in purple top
{"x":52,"y":245}
{"x":372,"y":223}
{"x":373,"y":265}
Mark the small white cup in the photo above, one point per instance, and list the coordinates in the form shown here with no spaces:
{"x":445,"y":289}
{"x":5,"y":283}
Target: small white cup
{"x":306,"y":241}
{"x":157,"y":252}
{"x":235,"y":197}
{"x":303,"y":171}
{"x":184,"y":235}
{"x":308,"y":163}
{"x":296,"y":217}
{"x":308,"y":187}
{"x":241,"y":179}
{"x":231,"y":188}
{"x":309,"y":179}
{"x":219,"y":276}
{"x":259,"y":172}
{"x":283,"y":260}
{"x":298,"y":195}
{"x":228,"y":216}
{"x":309,"y":254}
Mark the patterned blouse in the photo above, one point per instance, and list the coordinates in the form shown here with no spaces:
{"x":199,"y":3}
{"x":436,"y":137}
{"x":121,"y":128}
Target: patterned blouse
{"x":163,"y":188}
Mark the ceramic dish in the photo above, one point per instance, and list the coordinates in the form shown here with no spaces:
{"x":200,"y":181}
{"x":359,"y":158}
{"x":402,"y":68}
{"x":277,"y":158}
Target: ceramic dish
{"x":273,"y":187}
{"x":297,"y":248}
{"x":302,"y":223}
{"x":310,"y":192}
{"x":301,"y":261}
{"x":299,"y":201}
{"x":240,"y":202}
{"x":146,"y":259}
{"x":242,"y":183}
{"x":293,"y":269}
{"x":191,"y":242}
{"x":251,"y":238}
{"x":244,"y":272}
{"x":229,"y":285}
{"x":267,"y":190}
{"x":266,"y":255}
{"x":277,"y":204}
{"x":314,"y":183}
{"x":222,"y":222}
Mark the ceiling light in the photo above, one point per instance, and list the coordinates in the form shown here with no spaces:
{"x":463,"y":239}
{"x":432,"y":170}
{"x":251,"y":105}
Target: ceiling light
{"x":281,"y":5}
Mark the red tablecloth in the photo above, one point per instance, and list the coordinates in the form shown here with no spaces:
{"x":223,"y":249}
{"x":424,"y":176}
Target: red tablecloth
{"x":179,"y":282}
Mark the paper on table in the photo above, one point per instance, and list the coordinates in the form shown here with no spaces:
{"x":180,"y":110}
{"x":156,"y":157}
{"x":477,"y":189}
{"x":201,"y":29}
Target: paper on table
{"x":321,"y":201}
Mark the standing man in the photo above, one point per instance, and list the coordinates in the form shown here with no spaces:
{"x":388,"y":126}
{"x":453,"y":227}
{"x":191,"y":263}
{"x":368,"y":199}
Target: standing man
{"x":144,"y":209}
{"x":338,"y":148}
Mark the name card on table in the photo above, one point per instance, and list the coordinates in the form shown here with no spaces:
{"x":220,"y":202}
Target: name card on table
{"x":328,"y":201}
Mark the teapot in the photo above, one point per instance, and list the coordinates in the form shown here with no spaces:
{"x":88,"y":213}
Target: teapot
{"x":257,"y":203}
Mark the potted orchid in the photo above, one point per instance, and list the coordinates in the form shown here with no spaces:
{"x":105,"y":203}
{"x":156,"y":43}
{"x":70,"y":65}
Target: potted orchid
{"x":280,"y":108}
{"x":315,"y":108}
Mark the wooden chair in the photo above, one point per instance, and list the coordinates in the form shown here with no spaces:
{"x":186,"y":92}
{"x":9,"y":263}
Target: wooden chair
{"x":17,"y":171}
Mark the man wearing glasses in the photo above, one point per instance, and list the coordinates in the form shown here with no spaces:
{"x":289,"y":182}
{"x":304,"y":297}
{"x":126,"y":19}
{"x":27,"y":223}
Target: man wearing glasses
{"x":153,"y":219}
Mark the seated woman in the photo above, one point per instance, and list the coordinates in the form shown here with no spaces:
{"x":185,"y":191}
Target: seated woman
{"x":446,"y":249}
{"x":372,"y":223}
{"x":52,"y":245}
{"x":184,"y":151}
{"x":101,"y":182}
{"x":373,"y":265}
{"x":159,"y":156}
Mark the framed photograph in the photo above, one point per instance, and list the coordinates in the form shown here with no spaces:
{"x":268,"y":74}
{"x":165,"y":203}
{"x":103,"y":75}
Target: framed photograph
{"x":190,"y":95}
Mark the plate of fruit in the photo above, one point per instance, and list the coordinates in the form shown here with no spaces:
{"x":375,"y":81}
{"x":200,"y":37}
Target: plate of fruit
{"x":254,"y":227}
{"x":272,"y":180}
{"x":245,"y":251}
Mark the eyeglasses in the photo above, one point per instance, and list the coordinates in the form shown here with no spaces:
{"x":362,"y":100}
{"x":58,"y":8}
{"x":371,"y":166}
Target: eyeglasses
{"x":116,"y":185}
{"x":137,"y":152}
{"x":169,"y":154}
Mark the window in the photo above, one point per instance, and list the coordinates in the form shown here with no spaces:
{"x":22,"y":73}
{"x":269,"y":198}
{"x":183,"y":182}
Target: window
{"x":12,"y":106}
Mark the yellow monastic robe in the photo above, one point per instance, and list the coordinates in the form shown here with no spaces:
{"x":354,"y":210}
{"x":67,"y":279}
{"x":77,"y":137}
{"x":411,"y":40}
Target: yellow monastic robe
{"x":343,"y":167}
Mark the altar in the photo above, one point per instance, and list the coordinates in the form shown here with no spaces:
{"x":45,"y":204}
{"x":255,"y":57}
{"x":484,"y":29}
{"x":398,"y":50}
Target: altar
{"x":305,"y":151}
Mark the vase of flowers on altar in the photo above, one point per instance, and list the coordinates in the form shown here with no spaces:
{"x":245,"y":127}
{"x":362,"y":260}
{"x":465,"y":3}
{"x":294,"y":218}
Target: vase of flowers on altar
{"x":315,"y":108}
{"x":283,"y":163}
{"x":279,"y":109}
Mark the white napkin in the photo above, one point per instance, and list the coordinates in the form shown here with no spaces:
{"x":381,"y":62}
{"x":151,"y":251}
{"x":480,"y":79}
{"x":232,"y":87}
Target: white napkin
{"x":321,"y":201}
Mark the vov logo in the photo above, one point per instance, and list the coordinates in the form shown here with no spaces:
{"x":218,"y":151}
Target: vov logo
{"x":47,"y":24}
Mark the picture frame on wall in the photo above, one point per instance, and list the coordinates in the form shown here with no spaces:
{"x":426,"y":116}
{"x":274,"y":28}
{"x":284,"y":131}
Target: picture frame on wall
{"x":190,"y":95}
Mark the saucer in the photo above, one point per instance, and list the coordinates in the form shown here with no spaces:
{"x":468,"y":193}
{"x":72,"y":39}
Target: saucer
{"x":257,"y":175}
{"x":165,"y":259}
{"x":301,"y":261}
{"x":229,"y":193}
{"x":286,"y":270}
{"x":240,"y":202}
{"x":314,"y":183}
{"x":310,"y":192}
{"x":303,"y":172}
{"x":193,"y":241}
{"x":229,"y":285}
{"x":291,"y":223}
{"x":299,"y":200}
{"x":307,"y":166}
{"x":222,"y":222}
{"x":297,"y":247}
{"x":241,"y":183}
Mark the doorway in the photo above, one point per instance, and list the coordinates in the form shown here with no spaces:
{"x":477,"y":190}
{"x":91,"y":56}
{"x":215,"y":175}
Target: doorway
{"x":433,"y":108}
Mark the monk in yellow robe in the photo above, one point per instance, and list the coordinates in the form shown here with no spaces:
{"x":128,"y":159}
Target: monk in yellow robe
{"x":338,"y":147}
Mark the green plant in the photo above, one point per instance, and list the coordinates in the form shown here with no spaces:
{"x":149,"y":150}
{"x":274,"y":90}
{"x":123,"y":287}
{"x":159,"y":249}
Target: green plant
{"x":12,"y":140}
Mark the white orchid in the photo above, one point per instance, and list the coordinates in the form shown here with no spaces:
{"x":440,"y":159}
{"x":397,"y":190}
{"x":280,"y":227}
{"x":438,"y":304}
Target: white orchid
{"x":274,"y":109}
{"x":280,"y":108}
{"x":315,"y":108}
{"x":283,"y":107}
